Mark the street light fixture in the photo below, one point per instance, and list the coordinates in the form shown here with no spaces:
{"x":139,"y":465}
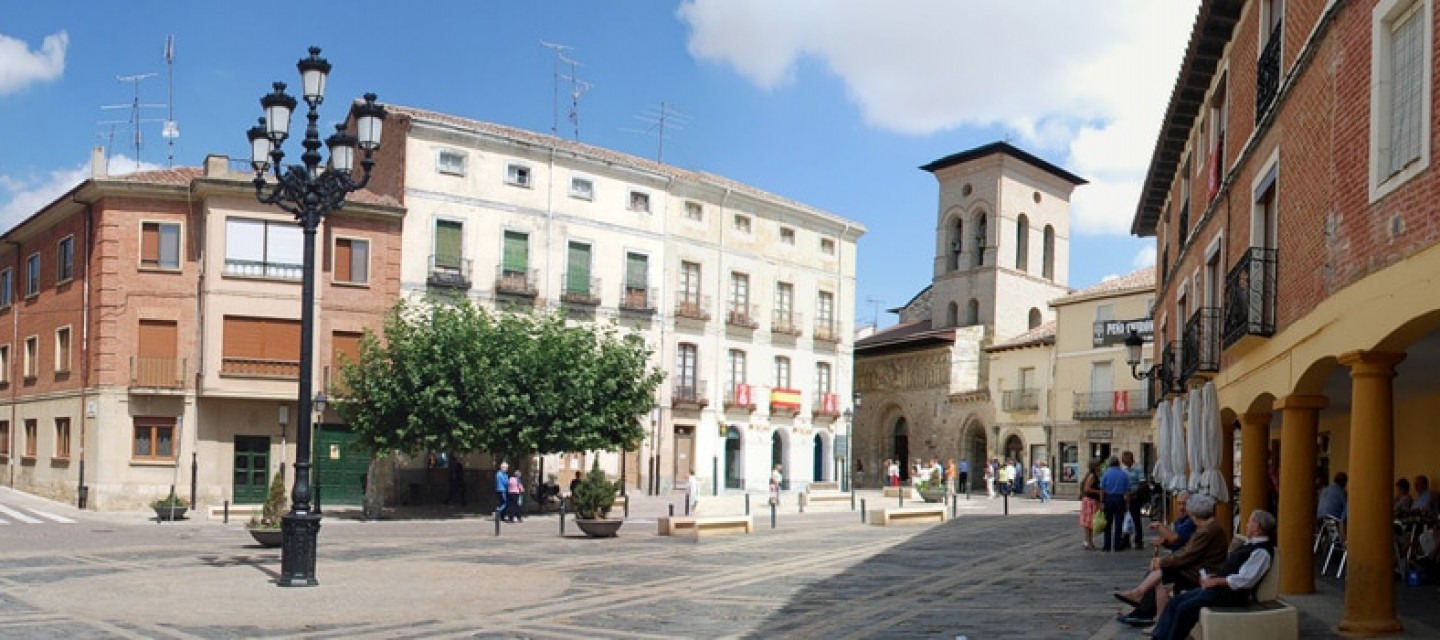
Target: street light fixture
{"x":309,"y":193}
{"x":1163,"y":372}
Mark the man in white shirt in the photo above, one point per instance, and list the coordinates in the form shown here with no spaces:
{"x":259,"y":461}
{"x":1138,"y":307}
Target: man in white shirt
{"x":1234,"y":586}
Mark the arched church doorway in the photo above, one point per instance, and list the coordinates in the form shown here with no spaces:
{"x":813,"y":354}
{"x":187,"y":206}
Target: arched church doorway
{"x":777,"y":459}
{"x":817,"y":471}
{"x":900,"y":447}
{"x":978,"y":453}
{"x":734,"y":464}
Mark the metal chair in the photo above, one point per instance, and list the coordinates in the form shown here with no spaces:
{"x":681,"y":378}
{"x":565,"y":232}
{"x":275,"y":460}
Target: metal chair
{"x":1330,"y":529}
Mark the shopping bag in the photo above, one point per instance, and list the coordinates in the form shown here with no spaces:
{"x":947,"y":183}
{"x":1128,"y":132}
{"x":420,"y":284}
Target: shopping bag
{"x":1098,"y":522}
{"x":1129,"y":529}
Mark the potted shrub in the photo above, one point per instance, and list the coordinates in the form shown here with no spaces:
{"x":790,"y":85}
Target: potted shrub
{"x":592,"y":499}
{"x":265,"y":528}
{"x":931,"y":489}
{"x":171,"y":507}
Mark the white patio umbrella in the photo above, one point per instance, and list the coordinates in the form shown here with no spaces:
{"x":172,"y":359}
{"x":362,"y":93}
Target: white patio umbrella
{"x":1175,"y":455}
{"x":1162,"y":442}
{"x":1211,"y":482}
{"x":1194,"y":439}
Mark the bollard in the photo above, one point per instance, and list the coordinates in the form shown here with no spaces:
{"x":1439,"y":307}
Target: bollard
{"x":1006,"y":496}
{"x":862,"y":511}
{"x":901,"y":494}
{"x":672,"y":510}
{"x":687,"y":504}
{"x":747,"y":504}
{"x":227,"y":512}
{"x":953,"y":505}
{"x":852,"y":497}
{"x":800,"y":500}
{"x":772,"y":515}
{"x":562,"y":518}
{"x":497,"y":522}
{"x":627,"y":509}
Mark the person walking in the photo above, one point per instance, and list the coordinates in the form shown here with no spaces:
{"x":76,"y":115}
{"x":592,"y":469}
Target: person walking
{"x":964,"y":478}
{"x":502,"y":489}
{"x":516,"y":491}
{"x":1091,"y":497}
{"x":990,"y":479}
{"x":1042,"y":478}
{"x":1007,"y":478}
{"x":894,"y":470}
{"x":1134,"y":496}
{"x":1115,"y":484}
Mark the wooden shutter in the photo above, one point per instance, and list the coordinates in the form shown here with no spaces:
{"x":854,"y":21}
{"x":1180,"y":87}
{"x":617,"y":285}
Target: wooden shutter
{"x":447,"y":243}
{"x":517,"y":253}
{"x":150,"y":244}
{"x":577,"y":273}
{"x":341,"y":260}
{"x":344,"y":347}
{"x":637,"y":268}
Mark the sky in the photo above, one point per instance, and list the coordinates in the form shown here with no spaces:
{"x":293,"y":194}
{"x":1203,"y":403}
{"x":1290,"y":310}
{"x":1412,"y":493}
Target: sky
{"x":833,"y":103}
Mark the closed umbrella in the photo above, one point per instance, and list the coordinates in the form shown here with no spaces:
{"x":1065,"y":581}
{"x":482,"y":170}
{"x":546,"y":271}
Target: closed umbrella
{"x":1194,"y":439}
{"x":1175,"y":456}
{"x":1162,"y":442}
{"x":1212,"y":482}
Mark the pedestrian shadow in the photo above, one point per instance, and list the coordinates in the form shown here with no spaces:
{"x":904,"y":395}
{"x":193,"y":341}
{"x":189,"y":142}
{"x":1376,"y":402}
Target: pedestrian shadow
{"x":260,"y":562}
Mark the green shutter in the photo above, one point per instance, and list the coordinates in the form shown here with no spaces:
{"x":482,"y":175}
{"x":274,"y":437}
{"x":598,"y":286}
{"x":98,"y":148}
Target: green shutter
{"x":577,"y":275}
{"x":637,"y":267}
{"x":447,"y":244}
{"x":517,"y":253}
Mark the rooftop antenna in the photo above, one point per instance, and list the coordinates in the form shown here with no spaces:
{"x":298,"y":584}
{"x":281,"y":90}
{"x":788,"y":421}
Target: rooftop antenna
{"x":874,"y":310}
{"x":667,"y":116}
{"x":578,"y":88}
{"x":557,"y":48}
{"x":171,"y":130}
{"x":135,"y":106}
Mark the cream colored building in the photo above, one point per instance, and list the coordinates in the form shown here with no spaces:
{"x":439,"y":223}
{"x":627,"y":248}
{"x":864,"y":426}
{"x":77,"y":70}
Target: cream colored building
{"x":741,"y":293}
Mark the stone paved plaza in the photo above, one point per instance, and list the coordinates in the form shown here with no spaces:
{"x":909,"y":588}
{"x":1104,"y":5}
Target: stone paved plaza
{"x":816,"y":575}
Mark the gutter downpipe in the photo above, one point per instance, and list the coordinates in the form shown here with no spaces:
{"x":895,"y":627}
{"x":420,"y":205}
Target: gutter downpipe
{"x":14,"y":388}
{"x":842,"y":474}
{"x":82,"y":492}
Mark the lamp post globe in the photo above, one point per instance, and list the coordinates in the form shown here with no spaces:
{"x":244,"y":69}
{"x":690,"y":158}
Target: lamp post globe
{"x":309,"y":192}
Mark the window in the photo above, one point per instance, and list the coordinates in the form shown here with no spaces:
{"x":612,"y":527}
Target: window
{"x":694,"y":211}
{"x":1399,"y":93}
{"x":263,"y":347}
{"x":7,"y":290}
{"x":32,"y":275}
{"x":62,"y":437}
{"x":263,"y":248}
{"x":159,"y":245}
{"x":154,"y":438}
{"x":742,"y":223}
{"x":737,"y":369}
{"x":739,"y":295}
{"x":825,"y":310}
{"x":32,"y":438}
{"x":450,"y":161}
{"x":782,"y":372}
{"x":827,"y":246}
{"x":517,"y":175}
{"x":582,"y":188}
{"x":515,"y":255}
{"x":1035,"y":317}
{"x":822,"y":379}
{"x":1104,"y":312}
{"x":690,"y":283}
{"x":32,"y":357}
{"x":344,"y":348}
{"x":972,"y":312}
{"x":637,"y":281}
{"x":577,"y":271}
{"x":62,"y":350}
{"x":787,"y":235}
{"x":1219,"y":115}
{"x":448,"y":246}
{"x":640,"y":201}
{"x":686,"y":357}
{"x":65,"y":259}
{"x":5,"y":438}
{"x":4,"y":364}
{"x":1047,"y":265}
{"x":352,"y":261}
{"x":980,"y":243}
{"x":952,"y":314}
{"x":784,"y":304}
{"x":1022,"y":243}
{"x":157,"y":363}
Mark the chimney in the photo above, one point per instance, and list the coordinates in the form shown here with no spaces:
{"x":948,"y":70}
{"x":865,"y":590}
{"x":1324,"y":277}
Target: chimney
{"x":216,"y":166}
{"x":97,"y":163}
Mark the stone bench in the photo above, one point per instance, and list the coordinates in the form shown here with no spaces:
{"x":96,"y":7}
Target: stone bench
{"x":669,"y":526}
{"x":923,"y":513}
{"x":1269,"y":618}
{"x":813,"y":497}
{"x":896,"y":492}
{"x":815,"y":487}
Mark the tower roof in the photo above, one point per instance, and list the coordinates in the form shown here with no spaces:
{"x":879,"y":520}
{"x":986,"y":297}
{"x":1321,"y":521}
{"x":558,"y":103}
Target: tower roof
{"x":1008,"y":149}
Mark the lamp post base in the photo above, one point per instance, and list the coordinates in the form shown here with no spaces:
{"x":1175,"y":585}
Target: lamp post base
{"x":297,"y":553}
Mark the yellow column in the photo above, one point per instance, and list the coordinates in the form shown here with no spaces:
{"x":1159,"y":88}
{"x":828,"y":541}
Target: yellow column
{"x":1298,"y":420}
{"x":1369,"y":581}
{"x":1254,"y":456}
{"x":1223,"y":511}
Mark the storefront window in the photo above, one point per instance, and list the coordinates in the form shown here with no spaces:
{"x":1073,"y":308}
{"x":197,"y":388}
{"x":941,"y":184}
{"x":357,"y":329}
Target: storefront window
{"x":1069,"y":462}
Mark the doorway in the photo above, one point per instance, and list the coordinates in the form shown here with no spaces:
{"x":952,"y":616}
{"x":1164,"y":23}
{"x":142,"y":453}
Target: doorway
{"x":252,"y":469}
{"x":817,"y":473}
{"x":684,"y":453}
{"x":777,"y":459}
{"x":900,"y":448}
{"x":734,"y":464}
{"x":978,"y":454}
{"x":341,"y":466}
{"x":1100,"y":451}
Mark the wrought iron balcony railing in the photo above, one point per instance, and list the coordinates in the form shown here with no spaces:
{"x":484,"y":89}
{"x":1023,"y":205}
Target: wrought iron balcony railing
{"x":157,"y":373}
{"x":693,"y":306}
{"x":517,"y":282}
{"x":1267,"y":73}
{"x":788,"y":323}
{"x":637,"y":299}
{"x":689,"y":394}
{"x":1122,"y":403}
{"x":1250,"y":296}
{"x":1020,"y":399}
{"x":745,"y":316}
{"x":1200,"y":348}
{"x":449,"y":271}
{"x":735,"y":399}
{"x":826,"y":332}
{"x":586,"y":292}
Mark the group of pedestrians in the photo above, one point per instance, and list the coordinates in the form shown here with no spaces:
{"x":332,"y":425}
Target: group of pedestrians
{"x":1117,"y":490}
{"x":511,"y":493}
{"x":1008,"y":478}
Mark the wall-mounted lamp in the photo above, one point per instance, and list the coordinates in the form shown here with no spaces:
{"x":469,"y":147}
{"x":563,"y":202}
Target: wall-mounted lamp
{"x":1163,"y":371}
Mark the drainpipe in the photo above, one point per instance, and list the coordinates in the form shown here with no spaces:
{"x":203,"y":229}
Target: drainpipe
{"x":14,"y":340}
{"x":82,"y":491}
{"x":842,"y":476}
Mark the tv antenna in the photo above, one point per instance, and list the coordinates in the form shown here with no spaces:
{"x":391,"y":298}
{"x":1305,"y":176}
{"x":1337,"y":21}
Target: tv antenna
{"x":578,"y":87}
{"x":171,"y":130}
{"x":558,"y":49}
{"x":667,"y":116}
{"x":135,"y":106}
{"x":874,"y":310}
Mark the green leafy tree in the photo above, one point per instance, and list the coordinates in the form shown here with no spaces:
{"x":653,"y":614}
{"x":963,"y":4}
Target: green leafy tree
{"x":595,"y":495}
{"x":455,"y":376}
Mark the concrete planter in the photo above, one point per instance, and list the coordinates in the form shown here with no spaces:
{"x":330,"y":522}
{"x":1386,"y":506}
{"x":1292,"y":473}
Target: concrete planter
{"x":600,"y":528}
{"x":268,"y":537}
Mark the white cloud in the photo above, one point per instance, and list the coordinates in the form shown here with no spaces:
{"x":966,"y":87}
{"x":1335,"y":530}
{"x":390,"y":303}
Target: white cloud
{"x":24,"y":196}
{"x":20,"y":67}
{"x":1145,"y":257}
{"x":1086,"y":79}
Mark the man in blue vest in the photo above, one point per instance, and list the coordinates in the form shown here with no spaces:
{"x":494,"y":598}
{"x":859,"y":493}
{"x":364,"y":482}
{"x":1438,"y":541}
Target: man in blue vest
{"x":1234,"y":586}
{"x":502,"y":484}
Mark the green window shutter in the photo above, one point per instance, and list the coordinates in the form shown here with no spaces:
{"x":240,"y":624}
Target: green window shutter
{"x":637,"y":267}
{"x":447,"y":244}
{"x":517,"y":252}
{"x":577,"y":274}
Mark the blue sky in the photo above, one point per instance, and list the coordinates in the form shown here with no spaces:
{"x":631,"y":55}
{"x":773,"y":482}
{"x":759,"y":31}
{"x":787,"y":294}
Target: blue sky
{"x":834,"y":103}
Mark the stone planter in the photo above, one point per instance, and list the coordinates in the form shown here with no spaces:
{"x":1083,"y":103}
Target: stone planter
{"x":933,"y":495}
{"x":268,"y":537}
{"x":170,"y":513}
{"x":600,"y":528}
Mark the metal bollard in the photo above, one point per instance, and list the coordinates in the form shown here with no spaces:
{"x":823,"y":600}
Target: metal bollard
{"x":227,"y":512}
{"x":747,"y":504}
{"x":627,"y":508}
{"x":672,"y":510}
{"x":800,"y":500}
{"x":497,"y":522}
{"x":953,"y":505}
{"x":687,"y":504}
{"x":1006,"y":496}
{"x":772,"y":515}
{"x":562,"y":518}
{"x":862,"y":511}
{"x":901,"y":495}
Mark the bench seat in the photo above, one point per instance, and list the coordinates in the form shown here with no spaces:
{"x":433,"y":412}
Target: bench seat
{"x":669,"y":526}
{"x":814,"y":497}
{"x":1270,"y":618}
{"x":924,"y":513}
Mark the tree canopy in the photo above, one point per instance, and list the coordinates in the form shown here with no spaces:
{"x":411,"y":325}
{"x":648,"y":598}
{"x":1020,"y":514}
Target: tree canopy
{"x":455,"y":376}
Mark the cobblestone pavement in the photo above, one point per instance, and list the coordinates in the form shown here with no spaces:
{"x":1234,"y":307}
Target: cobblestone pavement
{"x":816,"y":575}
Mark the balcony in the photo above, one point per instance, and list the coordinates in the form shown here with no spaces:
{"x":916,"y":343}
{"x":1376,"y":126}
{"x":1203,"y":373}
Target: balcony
{"x":829,"y":406}
{"x":740,"y":396}
{"x":263,"y":269}
{"x":449,"y":272}
{"x":583,"y":291}
{"x":826,"y":331}
{"x":692,"y":306}
{"x":259,"y":368}
{"x":1124,"y":403}
{"x":689,"y":394}
{"x":1020,"y":400}
{"x":157,"y":373}
{"x":1200,"y":344}
{"x":1267,"y":73}
{"x":517,"y":282}
{"x":787,"y":323}
{"x":637,"y":300}
{"x":1250,"y":296}
{"x":744,"y":316}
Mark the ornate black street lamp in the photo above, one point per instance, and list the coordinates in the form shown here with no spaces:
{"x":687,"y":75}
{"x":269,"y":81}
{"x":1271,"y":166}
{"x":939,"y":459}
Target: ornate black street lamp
{"x":309,"y":192}
{"x":1162,"y":372}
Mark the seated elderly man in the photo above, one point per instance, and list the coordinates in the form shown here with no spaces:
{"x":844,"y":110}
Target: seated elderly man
{"x":1232,"y":585}
{"x":1205,"y":549}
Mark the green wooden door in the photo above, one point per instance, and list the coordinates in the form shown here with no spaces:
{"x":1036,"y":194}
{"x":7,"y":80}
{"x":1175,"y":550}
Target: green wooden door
{"x":252,"y":469}
{"x":340,"y":465}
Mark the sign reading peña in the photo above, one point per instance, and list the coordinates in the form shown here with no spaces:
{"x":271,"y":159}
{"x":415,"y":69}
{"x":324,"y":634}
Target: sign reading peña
{"x":1108,"y":332}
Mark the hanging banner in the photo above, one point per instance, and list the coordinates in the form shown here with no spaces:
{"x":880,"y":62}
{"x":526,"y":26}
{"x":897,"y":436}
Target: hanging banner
{"x":785,"y":399}
{"x":742,"y":395}
{"x":1121,"y":402}
{"x":830,"y":405}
